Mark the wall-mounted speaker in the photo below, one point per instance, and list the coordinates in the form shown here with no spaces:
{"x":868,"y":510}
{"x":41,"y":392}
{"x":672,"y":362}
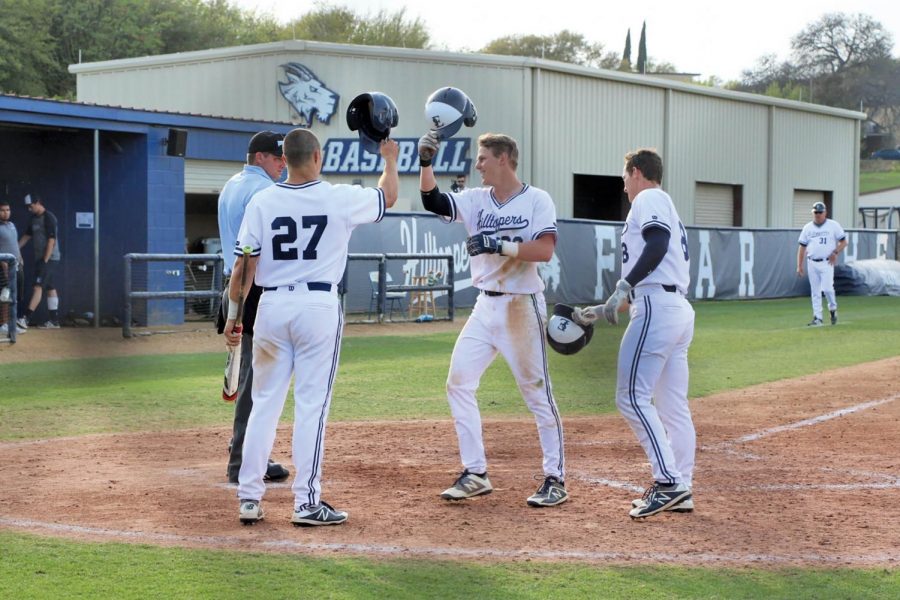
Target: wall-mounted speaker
{"x":176,"y":143}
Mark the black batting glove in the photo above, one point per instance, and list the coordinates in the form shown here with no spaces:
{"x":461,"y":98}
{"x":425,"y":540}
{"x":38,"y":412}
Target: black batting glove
{"x":481,"y":243}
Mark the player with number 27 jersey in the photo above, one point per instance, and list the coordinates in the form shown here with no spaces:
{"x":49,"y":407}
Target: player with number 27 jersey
{"x":654,"y":208}
{"x":285,"y":223}
{"x":526,"y":216}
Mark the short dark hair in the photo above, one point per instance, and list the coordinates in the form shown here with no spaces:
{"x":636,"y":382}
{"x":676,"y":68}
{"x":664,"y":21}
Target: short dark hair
{"x":5,"y":203}
{"x":648,"y":161}
{"x":299,"y":146}
{"x":498,"y":144}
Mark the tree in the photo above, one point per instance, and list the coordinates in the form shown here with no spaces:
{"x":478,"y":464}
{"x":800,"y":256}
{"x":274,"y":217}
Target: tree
{"x":565,"y":46}
{"x":341,"y":25}
{"x":25,"y":47}
{"x":642,"y":50}
{"x":838,"y":41}
{"x":838,"y":60}
{"x":626,"y":55}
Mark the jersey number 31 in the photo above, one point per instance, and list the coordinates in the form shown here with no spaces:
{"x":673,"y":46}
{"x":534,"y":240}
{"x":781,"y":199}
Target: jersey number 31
{"x":288,"y":237}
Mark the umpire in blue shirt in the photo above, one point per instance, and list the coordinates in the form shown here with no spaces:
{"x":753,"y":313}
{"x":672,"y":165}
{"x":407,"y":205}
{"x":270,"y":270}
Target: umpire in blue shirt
{"x":265,"y":162}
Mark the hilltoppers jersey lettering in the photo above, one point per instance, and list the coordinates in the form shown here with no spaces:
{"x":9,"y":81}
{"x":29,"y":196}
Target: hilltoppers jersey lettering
{"x":301,"y":233}
{"x":654,"y":208}
{"x":526,"y":216}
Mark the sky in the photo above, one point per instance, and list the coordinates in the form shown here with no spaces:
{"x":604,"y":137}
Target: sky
{"x":710,"y":38}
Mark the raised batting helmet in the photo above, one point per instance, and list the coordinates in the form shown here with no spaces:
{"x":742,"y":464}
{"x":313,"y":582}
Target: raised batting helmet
{"x":372,"y":114}
{"x":448,"y":109}
{"x":564,"y":334}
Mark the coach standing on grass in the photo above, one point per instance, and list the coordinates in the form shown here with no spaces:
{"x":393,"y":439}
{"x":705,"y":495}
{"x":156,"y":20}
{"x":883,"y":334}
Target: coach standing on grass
{"x":821,"y":242}
{"x":265,"y":162}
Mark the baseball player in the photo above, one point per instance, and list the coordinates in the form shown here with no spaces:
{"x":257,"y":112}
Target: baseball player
{"x":298,"y":234}
{"x":821,"y":242}
{"x":652,"y":382}
{"x":511,"y":228}
{"x":43,"y":230}
{"x":265,"y":162}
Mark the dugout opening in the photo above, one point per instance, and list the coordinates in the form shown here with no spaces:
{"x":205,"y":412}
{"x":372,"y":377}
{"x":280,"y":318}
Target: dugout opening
{"x":599,"y":197}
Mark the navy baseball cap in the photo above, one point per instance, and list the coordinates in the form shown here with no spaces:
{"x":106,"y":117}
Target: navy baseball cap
{"x":818,"y":207}
{"x":267,"y":141}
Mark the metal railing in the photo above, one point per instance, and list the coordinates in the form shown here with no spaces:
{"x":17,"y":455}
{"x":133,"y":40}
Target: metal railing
{"x":11,"y":283}
{"x":213,"y":294}
{"x":384,"y":287}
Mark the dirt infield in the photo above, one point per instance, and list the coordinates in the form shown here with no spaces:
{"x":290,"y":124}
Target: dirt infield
{"x":789,"y":473}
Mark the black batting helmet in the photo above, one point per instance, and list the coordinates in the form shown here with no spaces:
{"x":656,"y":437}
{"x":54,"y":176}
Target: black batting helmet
{"x":372,"y":114}
{"x":564,"y":334}
{"x":448,"y":109}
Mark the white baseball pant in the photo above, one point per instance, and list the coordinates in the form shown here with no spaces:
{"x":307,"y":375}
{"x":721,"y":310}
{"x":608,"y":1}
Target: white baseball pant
{"x":652,"y":383}
{"x":296,"y":333}
{"x":821,"y":279}
{"x":514,"y":326}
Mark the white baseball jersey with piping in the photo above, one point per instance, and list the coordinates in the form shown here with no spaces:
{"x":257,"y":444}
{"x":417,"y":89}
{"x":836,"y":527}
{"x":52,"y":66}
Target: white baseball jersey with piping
{"x":652,"y":382}
{"x":509,"y":318}
{"x":301,"y":235}
{"x":820,"y":241}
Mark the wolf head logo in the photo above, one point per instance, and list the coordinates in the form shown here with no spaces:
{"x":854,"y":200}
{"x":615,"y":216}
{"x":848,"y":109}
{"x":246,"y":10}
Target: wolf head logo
{"x":307,"y":93}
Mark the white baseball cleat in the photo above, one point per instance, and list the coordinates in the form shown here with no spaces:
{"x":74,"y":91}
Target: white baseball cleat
{"x":468,"y":485}
{"x":251,"y":512}
{"x":660,"y":497}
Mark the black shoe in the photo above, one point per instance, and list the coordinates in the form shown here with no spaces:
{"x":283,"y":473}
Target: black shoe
{"x":275,"y":472}
{"x":321,"y":514}
{"x":552,"y":492}
{"x":834,"y":317}
{"x":659,"y":497}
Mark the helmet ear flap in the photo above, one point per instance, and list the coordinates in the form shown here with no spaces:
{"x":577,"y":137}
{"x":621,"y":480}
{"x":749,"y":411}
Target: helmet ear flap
{"x":469,"y":114}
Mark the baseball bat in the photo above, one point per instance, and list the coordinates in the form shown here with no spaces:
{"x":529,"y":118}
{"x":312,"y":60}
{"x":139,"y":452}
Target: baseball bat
{"x":233,"y":358}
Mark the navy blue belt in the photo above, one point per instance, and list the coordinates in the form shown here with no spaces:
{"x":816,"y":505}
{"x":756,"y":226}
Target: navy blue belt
{"x":313,"y":286}
{"x":817,"y":259}
{"x":665,"y":286}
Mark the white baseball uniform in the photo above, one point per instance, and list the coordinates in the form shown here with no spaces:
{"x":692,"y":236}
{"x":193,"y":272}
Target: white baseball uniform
{"x":652,"y":383}
{"x":509,"y":318}
{"x":301,"y":235}
{"x":820,"y":241}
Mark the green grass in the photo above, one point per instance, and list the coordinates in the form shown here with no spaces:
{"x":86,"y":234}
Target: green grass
{"x":879,"y":180}
{"x":51,"y":568}
{"x":736,"y":344}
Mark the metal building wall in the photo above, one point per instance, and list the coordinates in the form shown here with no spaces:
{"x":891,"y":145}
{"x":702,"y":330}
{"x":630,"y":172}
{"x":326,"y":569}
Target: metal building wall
{"x":585,"y":125}
{"x":246,"y":85}
{"x":811,"y":152}
{"x":568,"y":120}
{"x":715,"y":140}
